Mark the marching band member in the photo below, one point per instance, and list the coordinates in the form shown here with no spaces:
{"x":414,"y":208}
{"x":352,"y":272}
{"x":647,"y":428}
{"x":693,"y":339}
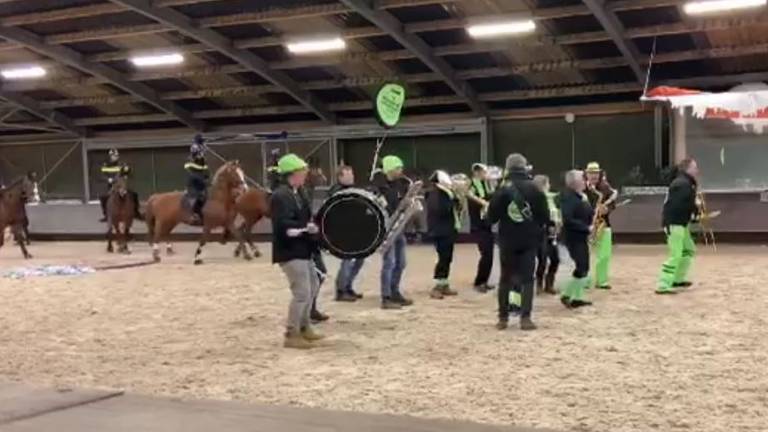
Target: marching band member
{"x":197,"y":178}
{"x":577,"y":225}
{"x":680,"y":208}
{"x":444,"y":220}
{"x":293,"y":247}
{"x":110,"y":170}
{"x":548,"y":259}
{"x":481,"y":230}
{"x":349,"y":268}
{"x":392,"y":184}
{"x":602,"y":198}
{"x":521,"y":211}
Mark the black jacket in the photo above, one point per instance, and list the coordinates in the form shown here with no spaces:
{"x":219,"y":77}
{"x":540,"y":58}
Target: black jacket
{"x":525,"y":234}
{"x":577,"y":215}
{"x":393,"y":191}
{"x":481,"y":190}
{"x":680,"y":206}
{"x":197,"y":174}
{"x":441,"y":216}
{"x":290,"y":209}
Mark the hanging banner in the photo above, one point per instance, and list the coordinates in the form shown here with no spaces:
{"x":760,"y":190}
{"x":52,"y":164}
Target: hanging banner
{"x":390,"y":100}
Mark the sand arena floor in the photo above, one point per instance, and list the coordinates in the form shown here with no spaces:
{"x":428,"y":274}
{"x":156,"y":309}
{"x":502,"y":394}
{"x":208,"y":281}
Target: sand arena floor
{"x":634,"y":362}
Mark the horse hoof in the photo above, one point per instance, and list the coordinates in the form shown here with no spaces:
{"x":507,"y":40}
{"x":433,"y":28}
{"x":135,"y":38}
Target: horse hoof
{"x":170,"y":252}
{"x":156,"y":257}
{"x":256,"y":254}
{"x":110,"y":250}
{"x":125,"y":252}
{"x":248,"y":257}
{"x":27,"y":256}
{"x":198,"y":261}
{"x":237,"y":253}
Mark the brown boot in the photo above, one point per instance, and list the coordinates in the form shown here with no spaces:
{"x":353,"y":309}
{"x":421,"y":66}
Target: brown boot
{"x":526,"y":324}
{"x":311,"y":335}
{"x":296,"y":340}
{"x":437,"y":293}
{"x":502,"y":325}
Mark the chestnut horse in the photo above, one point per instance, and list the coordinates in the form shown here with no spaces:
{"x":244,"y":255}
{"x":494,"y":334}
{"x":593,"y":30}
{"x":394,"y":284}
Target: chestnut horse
{"x":120,"y":212}
{"x":252,"y":206}
{"x":12,"y":211}
{"x":167,"y":210}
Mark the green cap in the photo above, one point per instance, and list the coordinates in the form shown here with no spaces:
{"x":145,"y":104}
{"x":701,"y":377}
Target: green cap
{"x":290,"y":163}
{"x":391,"y":163}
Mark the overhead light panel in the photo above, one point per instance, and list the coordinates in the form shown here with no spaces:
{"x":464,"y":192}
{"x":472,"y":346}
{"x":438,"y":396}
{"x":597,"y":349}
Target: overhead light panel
{"x":316,"y":45}
{"x":157,"y":60}
{"x":712,"y":6}
{"x":501,"y":28}
{"x":25,"y":72}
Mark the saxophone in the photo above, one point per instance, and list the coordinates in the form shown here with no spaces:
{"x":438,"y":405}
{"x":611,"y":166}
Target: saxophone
{"x":408,"y":207}
{"x":598,"y":220}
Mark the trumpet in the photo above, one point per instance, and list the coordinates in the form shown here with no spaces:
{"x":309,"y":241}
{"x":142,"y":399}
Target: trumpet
{"x":705,"y":220}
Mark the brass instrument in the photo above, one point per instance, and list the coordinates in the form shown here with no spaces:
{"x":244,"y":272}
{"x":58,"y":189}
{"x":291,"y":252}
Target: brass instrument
{"x":705,"y":220}
{"x":598,"y":220}
{"x":398,"y":220}
{"x":462,"y":187}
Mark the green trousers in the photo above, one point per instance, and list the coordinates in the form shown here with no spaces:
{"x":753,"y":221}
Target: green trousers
{"x":681,"y":249}
{"x":576,"y":288}
{"x":603,"y":253}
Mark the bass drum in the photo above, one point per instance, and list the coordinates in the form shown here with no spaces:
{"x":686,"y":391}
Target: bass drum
{"x":353,"y":224}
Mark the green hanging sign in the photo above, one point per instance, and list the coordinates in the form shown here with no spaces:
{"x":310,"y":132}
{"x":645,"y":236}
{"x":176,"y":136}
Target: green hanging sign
{"x":389,"y":104}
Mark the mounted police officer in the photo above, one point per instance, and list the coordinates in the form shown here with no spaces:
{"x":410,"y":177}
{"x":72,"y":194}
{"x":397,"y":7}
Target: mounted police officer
{"x":198,"y":176}
{"x":111,"y":169}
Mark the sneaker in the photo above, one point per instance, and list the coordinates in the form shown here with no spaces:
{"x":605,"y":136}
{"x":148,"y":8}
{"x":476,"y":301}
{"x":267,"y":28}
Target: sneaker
{"x":526,"y":324}
{"x":682,"y":284}
{"x":666,"y":291}
{"x":311,"y":335}
{"x":580,"y":303}
{"x":318,"y":317}
{"x":436,"y":293}
{"x":296,"y":341}
{"x":566,"y":302}
{"x":604,"y":287}
{"x":346,"y":297}
{"x":448,"y":292}
{"x":357,"y":295}
{"x":389,"y":304}
{"x":402,"y":300}
{"x":502,"y":325}
{"x":482,"y":289}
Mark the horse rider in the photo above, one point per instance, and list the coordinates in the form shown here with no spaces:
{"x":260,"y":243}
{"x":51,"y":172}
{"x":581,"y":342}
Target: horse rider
{"x":111,"y":169}
{"x":198,"y":175}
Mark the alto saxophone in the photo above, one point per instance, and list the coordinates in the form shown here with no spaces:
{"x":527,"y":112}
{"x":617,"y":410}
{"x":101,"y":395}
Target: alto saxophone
{"x":598,"y":220}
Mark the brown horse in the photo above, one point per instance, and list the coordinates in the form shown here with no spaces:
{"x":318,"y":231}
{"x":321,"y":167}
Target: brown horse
{"x":120,"y":212}
{"x":167,"y":210}
{"x":12,"y":211}
{"x":252,"y":206}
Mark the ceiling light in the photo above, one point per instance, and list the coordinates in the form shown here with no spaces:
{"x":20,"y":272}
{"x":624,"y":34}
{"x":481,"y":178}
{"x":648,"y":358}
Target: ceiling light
{"x":157,"y":60}
{"x":711,"y":6}
{"x":316,"y":45}
{"x":501,"y":28}
{"x":25,"y":72}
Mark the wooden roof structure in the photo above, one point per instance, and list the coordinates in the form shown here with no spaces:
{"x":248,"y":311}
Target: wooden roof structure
{"x":237,"y":70}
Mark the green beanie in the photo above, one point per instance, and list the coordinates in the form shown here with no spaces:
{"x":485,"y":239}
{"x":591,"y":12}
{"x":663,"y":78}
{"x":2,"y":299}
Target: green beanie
{"x":391,"y":163}
{"x":290,"y":163}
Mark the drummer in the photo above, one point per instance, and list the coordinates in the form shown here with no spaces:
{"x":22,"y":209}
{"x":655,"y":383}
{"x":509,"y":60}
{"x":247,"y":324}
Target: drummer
{"x":349,"y":268}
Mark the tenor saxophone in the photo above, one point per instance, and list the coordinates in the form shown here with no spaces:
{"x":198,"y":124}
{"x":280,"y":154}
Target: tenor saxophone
{"x":705,"y":221}
{"x":399,"y":219}
{"x":598,"y":220}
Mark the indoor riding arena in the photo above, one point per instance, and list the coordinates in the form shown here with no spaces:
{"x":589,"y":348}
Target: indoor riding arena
{"x":391,"y":216}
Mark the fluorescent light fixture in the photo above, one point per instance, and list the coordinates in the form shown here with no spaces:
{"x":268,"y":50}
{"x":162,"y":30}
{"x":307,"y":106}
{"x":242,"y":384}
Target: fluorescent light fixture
{"x":23,"y":72}
{"x":712,"y":6}
{"x":316,"y":45}
{"x":157,"y":60}
{"x":501,"y":28}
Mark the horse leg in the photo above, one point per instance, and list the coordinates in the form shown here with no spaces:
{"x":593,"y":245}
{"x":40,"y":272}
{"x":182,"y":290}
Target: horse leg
{"x":203,"y":241}
{"x":123,"y":226}
{"x":238,"y":233}
{"x":241,"y":244}
{"x":17,"y":231}
{"x":110,"y":237}
{"x":249,"y":238}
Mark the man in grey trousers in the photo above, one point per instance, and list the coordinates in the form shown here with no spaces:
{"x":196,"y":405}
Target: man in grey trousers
{"x":293,"y":244}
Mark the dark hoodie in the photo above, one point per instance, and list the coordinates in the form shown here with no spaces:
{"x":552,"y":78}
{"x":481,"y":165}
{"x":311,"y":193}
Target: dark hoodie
{"x":680,"y":206}
{"x":525,"y":234}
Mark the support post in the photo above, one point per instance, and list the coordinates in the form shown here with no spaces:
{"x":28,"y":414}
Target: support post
{"x":485,"y":148}
{"x":86,"y":172}
{"x":679,"y":145}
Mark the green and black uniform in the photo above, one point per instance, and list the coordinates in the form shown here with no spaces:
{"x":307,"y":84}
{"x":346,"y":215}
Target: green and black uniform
{"x":577,"y":219}
{"x":481,"y":230}
{"x":604,"y":239}
{"x":679,"y":209}
{"x":548,"y":259}
{"x":444,"y":220}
